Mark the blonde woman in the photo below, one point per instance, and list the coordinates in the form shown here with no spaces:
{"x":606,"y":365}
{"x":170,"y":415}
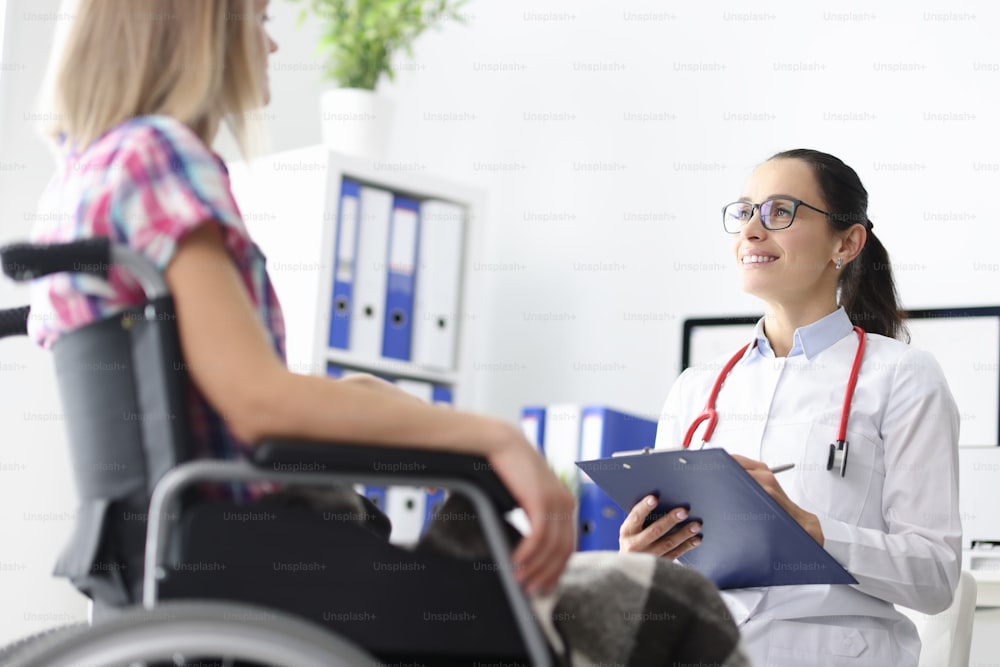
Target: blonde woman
{"x":140,"y":93}
{"x":142,"y":90}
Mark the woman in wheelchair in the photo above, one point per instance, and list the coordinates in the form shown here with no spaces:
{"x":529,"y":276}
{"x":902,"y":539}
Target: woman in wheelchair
{"x":140,"y":91}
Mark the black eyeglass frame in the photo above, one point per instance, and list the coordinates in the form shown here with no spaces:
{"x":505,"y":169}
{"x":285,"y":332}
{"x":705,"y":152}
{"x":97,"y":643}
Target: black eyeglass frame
{"x":796,"y":203}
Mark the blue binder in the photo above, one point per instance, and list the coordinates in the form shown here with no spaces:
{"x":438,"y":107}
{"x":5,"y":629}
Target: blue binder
{"x":403,"y":237}
{"x":749,"y":540}
{"x":342,"y":297}
{"x":435,"y":499}
{"x":376,"y":494}
{"x":442,"y":394}
{"x":533,"y":426}
{"x":600,"y":520}
{"x":603,"y":432}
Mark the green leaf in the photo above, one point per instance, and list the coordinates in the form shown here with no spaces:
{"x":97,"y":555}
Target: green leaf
{"x":360,"y":37}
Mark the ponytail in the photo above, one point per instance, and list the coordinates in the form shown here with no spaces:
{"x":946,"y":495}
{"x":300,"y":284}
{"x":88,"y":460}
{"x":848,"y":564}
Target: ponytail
{"x":868,"y":292}
{"x":867,"y":288}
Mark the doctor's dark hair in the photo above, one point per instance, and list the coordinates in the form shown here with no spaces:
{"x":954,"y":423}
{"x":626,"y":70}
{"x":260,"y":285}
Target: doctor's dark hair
{"x":867,"y":288}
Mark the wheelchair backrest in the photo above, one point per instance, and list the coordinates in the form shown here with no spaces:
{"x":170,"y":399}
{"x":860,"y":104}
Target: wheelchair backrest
{"x":122,"y":384}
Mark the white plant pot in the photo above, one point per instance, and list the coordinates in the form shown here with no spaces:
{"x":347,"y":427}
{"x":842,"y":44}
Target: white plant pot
{"x":356,"y":122}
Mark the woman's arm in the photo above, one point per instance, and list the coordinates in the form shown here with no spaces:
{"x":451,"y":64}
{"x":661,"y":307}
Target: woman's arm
{"x":234,"y":365}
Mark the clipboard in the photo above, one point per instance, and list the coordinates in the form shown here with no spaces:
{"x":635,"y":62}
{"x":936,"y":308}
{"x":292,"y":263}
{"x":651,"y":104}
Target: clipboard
{"x":748,"y":539}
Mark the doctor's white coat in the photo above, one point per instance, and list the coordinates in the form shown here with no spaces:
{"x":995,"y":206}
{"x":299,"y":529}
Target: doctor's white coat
{"x":892,"y":521}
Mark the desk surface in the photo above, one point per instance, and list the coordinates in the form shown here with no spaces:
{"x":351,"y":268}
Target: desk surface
{"x":987,"y":589}
{"x":985,"y":568}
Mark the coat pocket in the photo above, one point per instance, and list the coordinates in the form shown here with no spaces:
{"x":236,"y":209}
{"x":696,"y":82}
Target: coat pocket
{"x":824,"y":490}
{"x":798,"y":643}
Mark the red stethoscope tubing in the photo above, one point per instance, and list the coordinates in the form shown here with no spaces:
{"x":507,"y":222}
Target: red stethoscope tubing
{"x":710,"y":414}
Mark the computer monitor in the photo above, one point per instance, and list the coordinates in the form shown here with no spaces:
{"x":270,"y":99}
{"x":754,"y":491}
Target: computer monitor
{"x":965,"y":341}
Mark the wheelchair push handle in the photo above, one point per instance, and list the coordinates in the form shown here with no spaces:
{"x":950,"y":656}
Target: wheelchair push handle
{"x":14,"y":321}
{"x":26,"y":261}
{"x":92,"y":256}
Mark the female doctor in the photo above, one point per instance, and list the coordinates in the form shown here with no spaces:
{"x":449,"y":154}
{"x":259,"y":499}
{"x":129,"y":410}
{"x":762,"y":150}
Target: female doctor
{"x":887,"y":507}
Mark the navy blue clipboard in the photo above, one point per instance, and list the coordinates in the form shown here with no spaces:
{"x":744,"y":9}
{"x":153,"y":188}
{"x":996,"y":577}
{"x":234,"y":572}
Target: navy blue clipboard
{"x":749,"y":540}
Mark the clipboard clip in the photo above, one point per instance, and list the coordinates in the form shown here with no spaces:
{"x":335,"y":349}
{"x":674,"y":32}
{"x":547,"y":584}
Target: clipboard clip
{"x":632,"y":452}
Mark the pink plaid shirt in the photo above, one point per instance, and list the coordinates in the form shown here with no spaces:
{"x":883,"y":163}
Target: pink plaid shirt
{"x":145,"y":183}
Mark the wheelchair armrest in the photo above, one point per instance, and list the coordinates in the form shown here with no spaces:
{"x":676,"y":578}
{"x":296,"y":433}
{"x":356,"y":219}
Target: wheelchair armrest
{"x":401,"y":463}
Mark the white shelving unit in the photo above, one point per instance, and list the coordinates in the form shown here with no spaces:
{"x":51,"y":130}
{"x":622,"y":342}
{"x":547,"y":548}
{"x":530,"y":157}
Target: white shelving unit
{"x":289,"y":201}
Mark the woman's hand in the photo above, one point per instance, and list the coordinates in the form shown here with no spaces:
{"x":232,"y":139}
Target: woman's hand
{"x":541,"y":557}
{"x":763,"y":476}
{"x":660,"y":537}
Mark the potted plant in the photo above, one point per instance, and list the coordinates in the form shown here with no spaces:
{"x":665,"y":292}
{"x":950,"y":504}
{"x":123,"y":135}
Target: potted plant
{"x":359,"y":41}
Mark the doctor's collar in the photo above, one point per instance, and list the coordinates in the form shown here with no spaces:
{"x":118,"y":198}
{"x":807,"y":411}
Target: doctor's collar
{"x":809,"y":340}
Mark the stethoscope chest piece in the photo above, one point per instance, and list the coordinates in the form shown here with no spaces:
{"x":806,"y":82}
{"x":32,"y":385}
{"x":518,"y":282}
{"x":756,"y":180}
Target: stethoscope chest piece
{"x":838,"y":456}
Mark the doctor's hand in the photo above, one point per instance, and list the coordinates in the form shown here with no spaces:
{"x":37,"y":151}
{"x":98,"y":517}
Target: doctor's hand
{"x":763,"y":476}
{"x":660,"y":537}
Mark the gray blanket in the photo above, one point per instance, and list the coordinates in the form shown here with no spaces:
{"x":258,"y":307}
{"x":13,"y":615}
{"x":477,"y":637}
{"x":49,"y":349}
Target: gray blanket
{"x":637,"y":610}
{"x":614,"y":609}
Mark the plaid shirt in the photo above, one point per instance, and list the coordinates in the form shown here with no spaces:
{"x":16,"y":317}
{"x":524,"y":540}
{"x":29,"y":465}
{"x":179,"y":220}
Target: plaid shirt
{"x":145,"y":184}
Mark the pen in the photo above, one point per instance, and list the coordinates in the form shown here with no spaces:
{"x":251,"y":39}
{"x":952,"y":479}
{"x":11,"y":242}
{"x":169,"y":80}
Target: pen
{"x":782,"y":468}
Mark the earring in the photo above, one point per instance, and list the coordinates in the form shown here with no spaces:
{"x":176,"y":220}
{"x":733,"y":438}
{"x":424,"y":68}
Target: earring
{"x":840,"y":263}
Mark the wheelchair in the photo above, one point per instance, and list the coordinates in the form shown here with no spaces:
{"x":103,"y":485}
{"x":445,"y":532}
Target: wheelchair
{"x":200,"y":580}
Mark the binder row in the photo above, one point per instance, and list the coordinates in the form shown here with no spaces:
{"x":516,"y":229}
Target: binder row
{"x":396,"y":276}
{"x":565,"y":433}
{"x":410,"y":508}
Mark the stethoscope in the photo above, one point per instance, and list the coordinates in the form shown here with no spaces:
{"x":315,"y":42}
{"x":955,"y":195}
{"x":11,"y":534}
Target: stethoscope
{"x":838,"y":450}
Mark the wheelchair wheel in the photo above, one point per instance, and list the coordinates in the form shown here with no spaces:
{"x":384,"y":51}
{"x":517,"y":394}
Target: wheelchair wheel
{"x":9,"y":652}
{"x":196,"y":632}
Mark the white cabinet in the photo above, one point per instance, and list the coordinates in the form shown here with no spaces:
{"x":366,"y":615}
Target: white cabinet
{"x":290,"y":202}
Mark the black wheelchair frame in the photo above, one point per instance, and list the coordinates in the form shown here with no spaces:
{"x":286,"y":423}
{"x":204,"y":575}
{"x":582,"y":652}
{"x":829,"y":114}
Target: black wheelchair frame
{"x":132,"y":459}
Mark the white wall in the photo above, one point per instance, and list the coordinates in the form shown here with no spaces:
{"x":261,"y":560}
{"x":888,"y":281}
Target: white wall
{"x":36,"y":495}
{"x":602,"y":230}
{"x":723,"y":88}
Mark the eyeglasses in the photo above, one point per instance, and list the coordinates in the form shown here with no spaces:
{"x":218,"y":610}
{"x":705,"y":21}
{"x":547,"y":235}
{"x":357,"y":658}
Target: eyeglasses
{"x":775,"y":214}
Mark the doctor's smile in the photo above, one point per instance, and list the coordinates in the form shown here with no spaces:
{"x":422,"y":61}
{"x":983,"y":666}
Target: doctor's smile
{"x":751,"y":259}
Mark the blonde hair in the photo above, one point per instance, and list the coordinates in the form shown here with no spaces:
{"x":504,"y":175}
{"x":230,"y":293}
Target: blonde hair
{"x":193,"y":60}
